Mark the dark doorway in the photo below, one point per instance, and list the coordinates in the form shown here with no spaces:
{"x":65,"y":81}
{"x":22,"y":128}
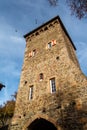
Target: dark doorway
{"x":41,"y":124}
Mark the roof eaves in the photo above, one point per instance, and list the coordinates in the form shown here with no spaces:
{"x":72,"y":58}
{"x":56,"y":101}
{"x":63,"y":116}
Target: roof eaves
{"x":40,"y":26}
{"x":57,"y":17}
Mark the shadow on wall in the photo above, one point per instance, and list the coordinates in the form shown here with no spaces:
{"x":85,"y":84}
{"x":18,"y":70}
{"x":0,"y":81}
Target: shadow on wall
{"x":4,"y":127}
{"x":72,"y":118}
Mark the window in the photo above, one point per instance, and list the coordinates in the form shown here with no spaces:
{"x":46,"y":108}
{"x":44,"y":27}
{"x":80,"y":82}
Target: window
{"x":52,"y":85}
{"x":31,"y":92}
{"x":34,"y":52}
{"x":52,"y":43}
{"x":49,"y":45}
{"x":41,"y":76}
{"x":30,"y":54}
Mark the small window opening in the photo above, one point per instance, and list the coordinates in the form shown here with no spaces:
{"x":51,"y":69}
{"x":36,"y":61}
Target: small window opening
{"x":53,"y":42}
{"x":25,"y":82}
{"x":57,"y":58}
{"x":37,"y":33}
{"x":32,"y":35}
{"x":31,"y":92}
{"x":34,"y":52}
{"x":24,"y":114}
{"x":41,"y":76}
{"x":49,"y":45}
{"x":29,"y":39}
{"x":55,"y":22}
{"x":46,"y":28}
{"x":51,"y":25}
{"x":53,"y":85}
{"x":41,"y":30}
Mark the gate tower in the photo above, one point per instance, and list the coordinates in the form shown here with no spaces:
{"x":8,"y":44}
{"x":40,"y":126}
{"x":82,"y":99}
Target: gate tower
{"x":51,"y":77}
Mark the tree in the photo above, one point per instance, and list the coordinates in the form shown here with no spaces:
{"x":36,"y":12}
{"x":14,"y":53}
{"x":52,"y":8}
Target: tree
{"x":6,"y":112}
{"x":53,"y":2}
{"x":14,"y":95}
{"x":1,"y":86}
{"x":77,"y":7}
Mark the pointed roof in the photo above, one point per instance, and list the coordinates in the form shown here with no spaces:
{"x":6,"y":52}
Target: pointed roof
{"x":57,"y":17}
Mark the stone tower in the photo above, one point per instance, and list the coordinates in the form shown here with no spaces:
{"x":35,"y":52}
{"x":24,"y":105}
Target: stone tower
{"x":51,"y":77}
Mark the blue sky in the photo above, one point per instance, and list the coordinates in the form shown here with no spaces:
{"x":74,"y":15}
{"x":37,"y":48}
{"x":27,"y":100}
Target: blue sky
{"x":16,"y":19}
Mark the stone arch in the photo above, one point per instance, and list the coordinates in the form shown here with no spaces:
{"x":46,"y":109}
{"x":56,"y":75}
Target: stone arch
{"x":37,"y":120}
{"x":41,"y":124}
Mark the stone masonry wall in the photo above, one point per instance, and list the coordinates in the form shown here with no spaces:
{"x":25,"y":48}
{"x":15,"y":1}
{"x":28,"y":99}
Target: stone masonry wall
{"x":60,"y":62}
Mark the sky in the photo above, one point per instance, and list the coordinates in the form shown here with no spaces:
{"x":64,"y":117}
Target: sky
{"x":18,"y":18}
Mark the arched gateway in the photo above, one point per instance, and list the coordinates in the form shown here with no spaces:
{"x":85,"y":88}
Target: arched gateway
{"x":41,"y":124}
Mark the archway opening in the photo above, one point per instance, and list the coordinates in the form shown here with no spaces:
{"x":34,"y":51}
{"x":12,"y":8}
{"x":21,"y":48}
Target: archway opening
{"x":41,"y":124}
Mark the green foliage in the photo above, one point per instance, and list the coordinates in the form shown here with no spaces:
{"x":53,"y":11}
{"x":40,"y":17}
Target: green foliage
{"x":14,"y":95}
{"x":6,"y":112}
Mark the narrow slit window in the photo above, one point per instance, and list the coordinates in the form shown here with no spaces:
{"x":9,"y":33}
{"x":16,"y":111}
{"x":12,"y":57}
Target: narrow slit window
{"x":41,"y":76}
{"x":31,"y":92}
{"x":52,"y":85}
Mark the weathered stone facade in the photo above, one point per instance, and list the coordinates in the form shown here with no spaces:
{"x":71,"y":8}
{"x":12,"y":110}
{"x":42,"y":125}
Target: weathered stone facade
{"x":49,"y":63}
